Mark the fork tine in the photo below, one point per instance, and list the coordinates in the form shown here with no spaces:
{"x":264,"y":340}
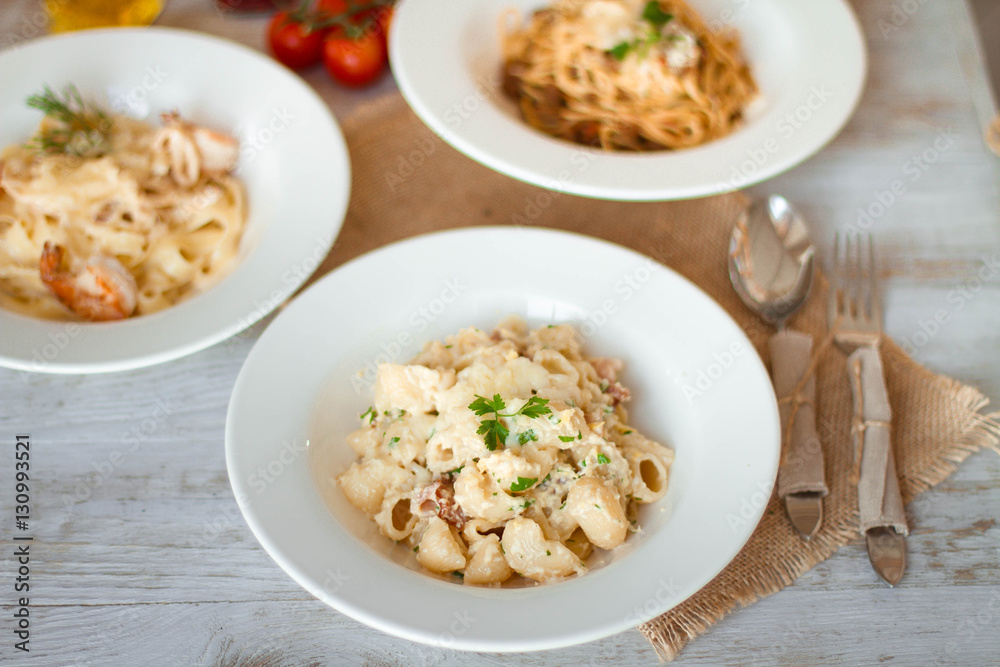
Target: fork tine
{"x":856,"y":280}
{"x":873,"y":292}
{"x":833,"y":305}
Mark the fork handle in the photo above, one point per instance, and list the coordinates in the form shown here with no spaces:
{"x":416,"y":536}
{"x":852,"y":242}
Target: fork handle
{"x":802,"y":459}
{"x":880,"y":503}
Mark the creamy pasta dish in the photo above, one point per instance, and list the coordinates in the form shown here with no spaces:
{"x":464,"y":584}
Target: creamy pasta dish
{"x":624,"y":74}
{"x":104,"y":217}
{"x":499,"y":454}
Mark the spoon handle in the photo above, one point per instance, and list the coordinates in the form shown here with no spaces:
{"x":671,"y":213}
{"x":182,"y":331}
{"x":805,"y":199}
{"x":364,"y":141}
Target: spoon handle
{"x":801,"y":477}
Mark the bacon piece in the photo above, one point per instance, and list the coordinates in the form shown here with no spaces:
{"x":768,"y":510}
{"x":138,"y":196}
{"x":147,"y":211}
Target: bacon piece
{"x":617,"y":392}
{"x":438,"y":498}
{"x":607,"y":369}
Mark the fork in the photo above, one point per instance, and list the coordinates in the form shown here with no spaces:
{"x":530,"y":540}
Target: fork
{"x":855,"y":317}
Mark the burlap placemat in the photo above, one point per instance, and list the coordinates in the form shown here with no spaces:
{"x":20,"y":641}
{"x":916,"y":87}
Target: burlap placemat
{"x":407,"y":182}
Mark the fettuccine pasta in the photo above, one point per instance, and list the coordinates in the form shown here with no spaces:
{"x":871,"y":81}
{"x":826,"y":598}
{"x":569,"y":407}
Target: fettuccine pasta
{"x":151,"y":218}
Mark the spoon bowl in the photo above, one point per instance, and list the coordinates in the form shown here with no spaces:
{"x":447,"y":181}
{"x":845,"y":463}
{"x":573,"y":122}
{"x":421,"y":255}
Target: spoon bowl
{"x":771,"y":259}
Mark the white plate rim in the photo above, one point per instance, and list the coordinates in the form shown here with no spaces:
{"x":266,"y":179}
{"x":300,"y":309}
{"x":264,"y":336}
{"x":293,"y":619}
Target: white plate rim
{"x":427,"y":50}
{"x":273,"y":270}
{"x":287,"y":343}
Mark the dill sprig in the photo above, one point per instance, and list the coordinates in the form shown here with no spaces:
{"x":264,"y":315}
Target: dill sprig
{"x":78,"y":128}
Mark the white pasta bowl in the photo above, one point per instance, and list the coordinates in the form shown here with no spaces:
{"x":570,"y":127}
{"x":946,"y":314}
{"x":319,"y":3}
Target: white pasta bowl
{"x":808,"y":59}
{"x":697,"y":384}
{"x":293,"y":162}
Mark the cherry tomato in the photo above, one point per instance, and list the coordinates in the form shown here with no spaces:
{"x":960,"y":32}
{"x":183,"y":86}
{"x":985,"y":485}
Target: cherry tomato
{"x":293,"y":43}
{"x":354,"y":62}
{"x":335,"y":7}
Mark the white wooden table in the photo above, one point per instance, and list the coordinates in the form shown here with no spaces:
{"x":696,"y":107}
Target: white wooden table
{"x":141,"y":557}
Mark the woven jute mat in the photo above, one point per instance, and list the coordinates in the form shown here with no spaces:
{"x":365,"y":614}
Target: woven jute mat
{"x":407,"y":181}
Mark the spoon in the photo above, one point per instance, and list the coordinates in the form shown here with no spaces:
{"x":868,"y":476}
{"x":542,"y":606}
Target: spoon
{"x":771,"y":259}
{"x":771,"y":267}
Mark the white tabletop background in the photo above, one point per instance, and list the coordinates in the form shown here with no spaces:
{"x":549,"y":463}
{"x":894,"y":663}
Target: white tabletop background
{"x":141,"y":557}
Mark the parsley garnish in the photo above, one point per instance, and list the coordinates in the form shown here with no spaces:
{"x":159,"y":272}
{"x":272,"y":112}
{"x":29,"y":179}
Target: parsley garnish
{"x":567,"y":438}
{"x":369,"y":413}
{"x":653,"y":13}
{"x":455,"y":471}
{"x":525,"y":436}
{"x":620,"y":50}
{"x":523,"y":483}
{"x":548,"y":553}
{"x":601,"y":458}
{"x":393,"y":442}
{"x":493,"y":431}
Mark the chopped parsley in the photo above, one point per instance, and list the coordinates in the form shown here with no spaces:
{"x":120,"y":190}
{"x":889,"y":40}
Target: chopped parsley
{"x":393,"y":441}
{"x":493,"y":431}
{"x":567,"y":438}
{"x":523,"y":484}
{"x":369,"y":414}
{"x":654,"y":15}
{"x":601,"y":458}
{"x":548,"y":553}
{"x":524,"y":436}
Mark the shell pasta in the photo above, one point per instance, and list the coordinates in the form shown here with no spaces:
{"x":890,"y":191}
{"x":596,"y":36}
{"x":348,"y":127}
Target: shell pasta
{"x":503,"y":453}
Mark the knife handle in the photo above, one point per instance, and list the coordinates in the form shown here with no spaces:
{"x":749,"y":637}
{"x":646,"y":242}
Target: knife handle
{"x":802,"y":456}
{"x":880,"y":503}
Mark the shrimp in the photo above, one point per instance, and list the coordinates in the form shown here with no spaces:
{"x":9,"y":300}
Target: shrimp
{"x":103,"y":290}
{"x":192,"y":150}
